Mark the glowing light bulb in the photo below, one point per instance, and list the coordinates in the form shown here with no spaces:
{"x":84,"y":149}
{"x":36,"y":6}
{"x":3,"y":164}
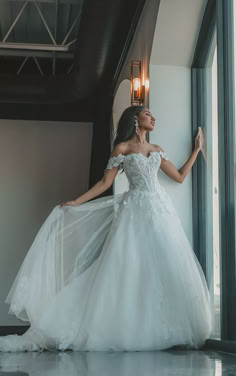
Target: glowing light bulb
{"x":136,"y":84}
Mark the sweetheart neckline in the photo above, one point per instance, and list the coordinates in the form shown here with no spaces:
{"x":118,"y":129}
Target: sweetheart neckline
{"x":145,"y":156}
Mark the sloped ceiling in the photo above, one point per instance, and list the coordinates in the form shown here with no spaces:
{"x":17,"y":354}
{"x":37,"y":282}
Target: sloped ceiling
{"x":177,"y":29}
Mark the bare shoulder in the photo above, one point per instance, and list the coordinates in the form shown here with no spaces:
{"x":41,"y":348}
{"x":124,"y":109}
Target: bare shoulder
{"x":157,"y":147}
{"x":119,"y":149}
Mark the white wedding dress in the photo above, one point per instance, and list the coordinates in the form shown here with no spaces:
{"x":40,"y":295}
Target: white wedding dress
{"x":114,"y":274}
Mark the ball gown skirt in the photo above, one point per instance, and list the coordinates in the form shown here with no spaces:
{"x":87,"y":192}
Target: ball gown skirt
{"x":114,"y":274}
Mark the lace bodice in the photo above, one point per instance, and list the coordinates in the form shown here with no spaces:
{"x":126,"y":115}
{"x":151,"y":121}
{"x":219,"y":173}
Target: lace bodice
{"x":140,"y":170}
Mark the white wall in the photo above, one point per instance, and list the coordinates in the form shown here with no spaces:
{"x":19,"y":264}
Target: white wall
{"x":41,"y":165}
{"x":121,"y":102}
{"x":170,"y":103}
{"x":177,"y":28}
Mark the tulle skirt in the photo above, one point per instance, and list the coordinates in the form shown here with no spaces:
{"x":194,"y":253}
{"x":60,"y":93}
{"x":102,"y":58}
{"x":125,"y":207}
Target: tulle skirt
{"x":114,"y":274}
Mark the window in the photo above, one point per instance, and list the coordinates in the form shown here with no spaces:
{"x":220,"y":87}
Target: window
{"x":214,"y":180}
{"x":211,"y":182}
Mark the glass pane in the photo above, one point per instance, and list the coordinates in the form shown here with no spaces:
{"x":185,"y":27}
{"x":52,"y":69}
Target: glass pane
{"x":234,"y":156}
{"x":234,"y":21}
{"x":212,"y":187}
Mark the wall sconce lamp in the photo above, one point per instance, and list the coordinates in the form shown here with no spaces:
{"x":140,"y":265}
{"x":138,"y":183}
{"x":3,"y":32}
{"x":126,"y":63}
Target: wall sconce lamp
{"x":137,"y":87}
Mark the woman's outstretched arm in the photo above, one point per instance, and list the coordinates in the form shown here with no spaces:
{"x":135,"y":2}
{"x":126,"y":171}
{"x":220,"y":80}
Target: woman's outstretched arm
{"x":98,"y":188}
{"x":179,"y":175}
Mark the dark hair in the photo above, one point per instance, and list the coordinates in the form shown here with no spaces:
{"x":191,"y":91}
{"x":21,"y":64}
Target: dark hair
{"x":126,"y":125}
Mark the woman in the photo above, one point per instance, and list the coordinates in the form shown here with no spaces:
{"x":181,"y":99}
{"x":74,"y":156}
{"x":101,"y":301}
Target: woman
{"x":117,"y":273}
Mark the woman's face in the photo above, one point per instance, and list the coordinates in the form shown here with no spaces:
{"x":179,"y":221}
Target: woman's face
{"x":146,"y":120}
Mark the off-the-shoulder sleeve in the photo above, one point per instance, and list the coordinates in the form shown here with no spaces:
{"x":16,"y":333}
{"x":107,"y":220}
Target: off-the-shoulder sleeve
{"x":115,"y":161}
{"x":163,"y":155}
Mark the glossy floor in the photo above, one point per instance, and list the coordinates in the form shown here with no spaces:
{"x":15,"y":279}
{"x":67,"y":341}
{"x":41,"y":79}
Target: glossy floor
{"x":161,"y":363}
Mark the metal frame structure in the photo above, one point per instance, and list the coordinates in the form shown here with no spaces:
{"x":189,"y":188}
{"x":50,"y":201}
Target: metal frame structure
{"x":218,"y":17}
{"x":39,"y":50}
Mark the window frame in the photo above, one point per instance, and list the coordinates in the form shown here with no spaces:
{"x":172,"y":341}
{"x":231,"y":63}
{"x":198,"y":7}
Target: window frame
{"x":219,"y":15}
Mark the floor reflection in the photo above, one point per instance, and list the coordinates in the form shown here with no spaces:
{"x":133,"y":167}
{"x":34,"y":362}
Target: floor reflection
{"x":163,"y":363}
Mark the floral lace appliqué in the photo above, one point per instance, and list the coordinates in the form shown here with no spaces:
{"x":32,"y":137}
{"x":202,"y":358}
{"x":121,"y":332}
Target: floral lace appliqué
{"x":145,"y":189}
{"x":163,"y":155}
{"x":118,"y":160}
{"x":115,"y":161}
